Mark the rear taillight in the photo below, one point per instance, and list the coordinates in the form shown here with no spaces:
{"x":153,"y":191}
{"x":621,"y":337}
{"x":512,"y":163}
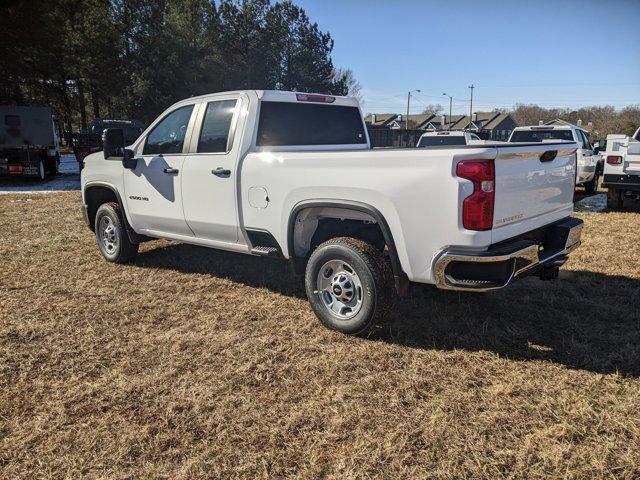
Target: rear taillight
{"x":614,"y":159}
{"x":477,"y":208}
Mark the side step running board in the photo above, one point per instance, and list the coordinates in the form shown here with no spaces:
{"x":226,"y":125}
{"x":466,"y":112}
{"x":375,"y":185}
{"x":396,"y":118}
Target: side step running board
{"x":265,"y":251}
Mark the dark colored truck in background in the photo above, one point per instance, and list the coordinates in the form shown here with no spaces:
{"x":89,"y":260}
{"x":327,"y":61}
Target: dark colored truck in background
{"x":89,"y":140}
{"x":29,"y":142}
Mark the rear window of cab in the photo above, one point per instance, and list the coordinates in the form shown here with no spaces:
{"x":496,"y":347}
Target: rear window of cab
{"x":289,"y":123}
{"x":435,"y":141}
{"x":540,"y":135}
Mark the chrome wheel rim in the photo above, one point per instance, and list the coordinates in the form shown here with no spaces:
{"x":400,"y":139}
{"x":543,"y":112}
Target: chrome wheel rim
{"x":339,"y":289}
{"x":108,"y":235}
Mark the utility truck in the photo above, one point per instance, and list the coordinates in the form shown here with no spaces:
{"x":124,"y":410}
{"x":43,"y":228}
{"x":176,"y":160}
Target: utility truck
{"x":291,"y":175}
{"x":622,"y":169}
{"x":29,"y":142}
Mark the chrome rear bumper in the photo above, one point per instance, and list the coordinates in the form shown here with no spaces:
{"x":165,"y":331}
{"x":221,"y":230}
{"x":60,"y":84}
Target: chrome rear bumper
{"x":499,"y":266}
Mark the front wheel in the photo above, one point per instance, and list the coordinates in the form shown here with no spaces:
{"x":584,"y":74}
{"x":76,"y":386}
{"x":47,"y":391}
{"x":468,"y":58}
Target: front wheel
{"x":349,"y":285}
{"x":111,"y":235}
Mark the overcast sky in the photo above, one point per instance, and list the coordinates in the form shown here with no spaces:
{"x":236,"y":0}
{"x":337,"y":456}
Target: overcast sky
{"x":564,"y":53}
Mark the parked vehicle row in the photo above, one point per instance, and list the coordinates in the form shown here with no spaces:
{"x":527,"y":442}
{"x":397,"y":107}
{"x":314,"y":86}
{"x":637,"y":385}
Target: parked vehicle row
{"x":622,"y":169}
{"x":292,"y":175}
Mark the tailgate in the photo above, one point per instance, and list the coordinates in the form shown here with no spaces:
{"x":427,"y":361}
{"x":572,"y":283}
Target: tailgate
{"x":534,"y":187}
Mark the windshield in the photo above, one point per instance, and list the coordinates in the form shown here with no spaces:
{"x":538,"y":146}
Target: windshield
{"x":441,"y":140}
{"x":540,"y":135}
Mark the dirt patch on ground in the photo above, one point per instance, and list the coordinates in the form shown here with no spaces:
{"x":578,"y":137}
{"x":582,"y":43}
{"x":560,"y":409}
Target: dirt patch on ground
{"x":194,"y":363}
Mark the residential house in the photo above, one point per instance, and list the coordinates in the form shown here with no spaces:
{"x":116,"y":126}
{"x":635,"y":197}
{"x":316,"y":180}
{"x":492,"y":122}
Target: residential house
{"x":488,"y":125}
{"x":380,"y":120}
{"x":387,"y":129}
{"x":587,"y":128}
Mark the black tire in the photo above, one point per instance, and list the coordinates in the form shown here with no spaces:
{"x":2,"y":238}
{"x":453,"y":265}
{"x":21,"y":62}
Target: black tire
{"x":615,"y":201}
{"x":55,"y":165}
{"x":111,"y":235}
{"x":592,"y":186}
{"x":42,"y":171}
{"x":376,"y":292}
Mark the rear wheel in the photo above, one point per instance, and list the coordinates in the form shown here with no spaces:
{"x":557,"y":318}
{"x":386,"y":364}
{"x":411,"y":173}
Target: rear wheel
{"x":349,"y":285}
{"x":42,"y":173}
{"x":592,"y":186}
{"x":113,"y":239}
{"x":615,"y":200}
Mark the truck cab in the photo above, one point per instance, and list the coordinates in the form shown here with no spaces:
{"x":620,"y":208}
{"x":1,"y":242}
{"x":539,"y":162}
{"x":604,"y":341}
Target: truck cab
{"x":588,"y":168}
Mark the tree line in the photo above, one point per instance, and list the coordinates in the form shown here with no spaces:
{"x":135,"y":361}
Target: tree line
{"x":133,"y":58}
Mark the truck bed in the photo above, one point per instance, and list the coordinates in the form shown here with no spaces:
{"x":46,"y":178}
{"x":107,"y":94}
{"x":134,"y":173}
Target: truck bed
{"x":417,"y":191}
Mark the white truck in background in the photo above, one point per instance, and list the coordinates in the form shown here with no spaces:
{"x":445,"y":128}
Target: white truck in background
{"x":622,"y":169}
{"x":292,"y":175}
{"x":448,"y":138}
{"x":29,"y":142}
{"x":588,"y":161}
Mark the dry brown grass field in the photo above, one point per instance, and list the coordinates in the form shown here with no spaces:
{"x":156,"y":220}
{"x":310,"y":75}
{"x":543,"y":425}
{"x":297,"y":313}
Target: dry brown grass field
{"x":192,"y":363}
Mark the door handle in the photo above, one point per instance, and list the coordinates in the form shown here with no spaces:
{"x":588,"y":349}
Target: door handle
{"x":171,"y":170}
{"x":221,"y":172}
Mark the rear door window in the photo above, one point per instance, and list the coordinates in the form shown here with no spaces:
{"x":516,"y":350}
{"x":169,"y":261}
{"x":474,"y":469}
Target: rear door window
{"x":288,"y":123}
{"x":214,"y":135}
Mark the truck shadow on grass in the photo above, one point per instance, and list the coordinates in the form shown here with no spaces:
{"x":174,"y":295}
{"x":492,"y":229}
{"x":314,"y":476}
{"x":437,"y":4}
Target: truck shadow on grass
{"x":585,"y":320}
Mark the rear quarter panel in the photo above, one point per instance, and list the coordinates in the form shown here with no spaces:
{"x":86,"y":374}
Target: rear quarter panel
{"x":416,"y":191}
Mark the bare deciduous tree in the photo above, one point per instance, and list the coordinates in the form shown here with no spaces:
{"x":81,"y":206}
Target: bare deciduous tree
{"x":604,"y":119}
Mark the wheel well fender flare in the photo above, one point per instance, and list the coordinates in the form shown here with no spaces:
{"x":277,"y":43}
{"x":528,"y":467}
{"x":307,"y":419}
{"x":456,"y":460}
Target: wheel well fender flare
{"x":130,"y":231}
{"x":399,"y":276}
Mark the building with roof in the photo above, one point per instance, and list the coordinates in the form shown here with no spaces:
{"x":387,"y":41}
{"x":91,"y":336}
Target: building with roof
{"x":488,"y":125}
{"x":587,"y":128}
{"x":394,"y":129}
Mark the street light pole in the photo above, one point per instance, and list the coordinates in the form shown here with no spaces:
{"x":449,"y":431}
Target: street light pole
{"x":406,"y":120}
{"x":450,"y":106}
{"x":471,"y":105}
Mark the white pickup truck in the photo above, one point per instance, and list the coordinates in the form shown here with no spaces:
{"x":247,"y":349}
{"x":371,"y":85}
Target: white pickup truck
{"x":588,"y":161}
{"x":448,"y":138}
{"x":292,"y":175}
{"x":622,"y":169}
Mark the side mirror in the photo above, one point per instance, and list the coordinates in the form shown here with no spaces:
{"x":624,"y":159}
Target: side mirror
{"x":113,"y":148}
{"x":596,"y":150}
{"x":113,"y":144}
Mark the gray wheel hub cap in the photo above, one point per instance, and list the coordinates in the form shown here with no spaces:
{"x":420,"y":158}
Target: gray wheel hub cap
{"x":340,"y":289}
{"x":108,"y":235}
